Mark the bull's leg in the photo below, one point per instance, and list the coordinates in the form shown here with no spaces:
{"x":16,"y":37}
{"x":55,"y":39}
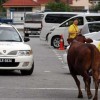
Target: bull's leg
{"x":87,"y":81}
{"x":84,"y":83}
{"x":87,"y":88}
{"x":96,"y":81}
{"x":80,"y":95}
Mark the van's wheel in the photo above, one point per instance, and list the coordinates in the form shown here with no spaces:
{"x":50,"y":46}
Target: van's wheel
{"x":28,"y":72}
{"x":55,"y":41}
{"x":26,"y":35}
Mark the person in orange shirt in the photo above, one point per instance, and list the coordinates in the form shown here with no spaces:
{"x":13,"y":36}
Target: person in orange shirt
{"x":73,"y":29}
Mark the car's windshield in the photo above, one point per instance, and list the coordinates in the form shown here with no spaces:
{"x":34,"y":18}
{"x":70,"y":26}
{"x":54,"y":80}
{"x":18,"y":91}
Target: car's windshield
{"x":33,"y":17}
{"x":9,"y":34}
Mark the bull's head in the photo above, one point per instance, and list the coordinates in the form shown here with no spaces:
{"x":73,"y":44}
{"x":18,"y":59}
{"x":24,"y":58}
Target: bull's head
{"x":80,"y":38}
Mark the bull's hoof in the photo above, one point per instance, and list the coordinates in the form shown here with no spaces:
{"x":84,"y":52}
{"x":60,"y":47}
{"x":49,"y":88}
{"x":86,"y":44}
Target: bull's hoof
{"x":95,"y":98}
{"x":80,"y":96}
{"x":90,"y":73}
{"x":90,"y":96}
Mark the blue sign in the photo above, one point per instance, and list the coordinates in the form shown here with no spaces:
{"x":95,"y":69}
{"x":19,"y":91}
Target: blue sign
{"x":12,"y":9}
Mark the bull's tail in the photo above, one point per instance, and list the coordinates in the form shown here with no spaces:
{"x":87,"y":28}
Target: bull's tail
{"x":99,"y":74}
{"x":91,"y":47}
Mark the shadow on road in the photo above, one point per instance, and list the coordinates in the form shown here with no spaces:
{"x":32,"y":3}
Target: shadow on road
{"x":10,"y":73}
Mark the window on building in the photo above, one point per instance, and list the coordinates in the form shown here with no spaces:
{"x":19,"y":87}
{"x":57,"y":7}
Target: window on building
{"x":23,"y":9}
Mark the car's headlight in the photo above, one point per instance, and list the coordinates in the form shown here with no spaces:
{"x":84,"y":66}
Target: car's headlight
{"x":24,"y":52}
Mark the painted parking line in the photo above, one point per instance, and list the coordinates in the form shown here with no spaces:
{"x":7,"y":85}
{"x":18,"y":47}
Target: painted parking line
{"x":58,"y":56}
{"x":47,"y":71}
{"x":66,"y":89}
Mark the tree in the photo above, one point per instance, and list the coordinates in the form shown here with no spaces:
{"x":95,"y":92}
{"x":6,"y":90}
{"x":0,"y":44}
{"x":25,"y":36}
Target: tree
{"x":1,"y":7}
{"x":58,"y":6}
{"x":57,"y":0}
{"x":95,"y":7}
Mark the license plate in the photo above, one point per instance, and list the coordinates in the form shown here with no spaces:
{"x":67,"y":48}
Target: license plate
{"x":7,"y":60}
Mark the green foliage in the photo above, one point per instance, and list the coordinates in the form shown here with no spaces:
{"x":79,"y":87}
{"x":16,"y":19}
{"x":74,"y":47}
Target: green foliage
{"x":1,"y":7}
{"x":58,"y":6}
{"x":57,"y":0}
{"x":96,"y":7}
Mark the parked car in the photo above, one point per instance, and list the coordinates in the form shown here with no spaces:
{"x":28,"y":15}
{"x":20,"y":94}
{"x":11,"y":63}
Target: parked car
{"x":6,"y":20}
{"x":62,"y":29}
{"x":96,"y":41}
{"x":33,"y":23}
{"x":14,"y":53}
{"x":90,"y":27}
{"x":51,"y":19}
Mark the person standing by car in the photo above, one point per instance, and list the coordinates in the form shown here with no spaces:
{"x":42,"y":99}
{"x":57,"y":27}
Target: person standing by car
{"x":73,"y":29}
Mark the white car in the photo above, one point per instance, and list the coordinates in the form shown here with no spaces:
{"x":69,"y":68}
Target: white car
{"x":84,"y":24}
{"x":96,"y":41}
{"x":14,"y":53}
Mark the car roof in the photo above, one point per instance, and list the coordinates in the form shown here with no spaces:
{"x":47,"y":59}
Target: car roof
{"x":88,"y":14}
{"x":83,"y":14}
{"x":63,"y":12}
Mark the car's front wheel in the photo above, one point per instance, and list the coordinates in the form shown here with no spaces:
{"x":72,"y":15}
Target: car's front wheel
{"x":56,"y":41}
{"x":28,"y":72}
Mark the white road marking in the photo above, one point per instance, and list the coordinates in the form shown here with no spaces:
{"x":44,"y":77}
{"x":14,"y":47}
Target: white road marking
{"x":67,"y":89}
{"x":62,"y":61}
{"x":54,"y":51}
{"x":66,"y":67}
{"x":60,"y":58}
{"x":47,"y":71}
{"x":57,"y":54}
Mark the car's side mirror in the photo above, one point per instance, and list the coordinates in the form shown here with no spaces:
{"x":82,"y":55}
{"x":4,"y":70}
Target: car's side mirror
{"x":26,"y":39}
{"x":67,"y":24}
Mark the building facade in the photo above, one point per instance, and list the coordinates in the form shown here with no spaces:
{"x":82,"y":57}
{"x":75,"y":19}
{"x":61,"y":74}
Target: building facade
{"x":81,"y":4}
{"x":17,"y":8}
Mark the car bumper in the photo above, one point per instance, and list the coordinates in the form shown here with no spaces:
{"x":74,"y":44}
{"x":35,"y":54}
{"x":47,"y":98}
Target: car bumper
{"x":20,"y":63}
{"x":49,"y":39}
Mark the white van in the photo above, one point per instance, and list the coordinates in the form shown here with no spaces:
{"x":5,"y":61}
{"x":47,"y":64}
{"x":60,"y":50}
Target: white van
{"x":32,"y":23}
{"x":51,"y":19}
{"x":62,"y":29}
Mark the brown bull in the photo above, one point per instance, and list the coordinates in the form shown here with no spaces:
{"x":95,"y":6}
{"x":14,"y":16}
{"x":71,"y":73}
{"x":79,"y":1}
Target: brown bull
{"x":83,"y":57}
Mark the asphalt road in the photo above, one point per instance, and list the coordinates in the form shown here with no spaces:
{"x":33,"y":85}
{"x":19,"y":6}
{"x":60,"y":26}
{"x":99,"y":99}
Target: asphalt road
{"x":50,"y":80}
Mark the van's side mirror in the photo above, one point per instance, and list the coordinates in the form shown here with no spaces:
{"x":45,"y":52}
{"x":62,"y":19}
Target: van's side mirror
{"x":26,"y":39}
{"x":67,"y":24}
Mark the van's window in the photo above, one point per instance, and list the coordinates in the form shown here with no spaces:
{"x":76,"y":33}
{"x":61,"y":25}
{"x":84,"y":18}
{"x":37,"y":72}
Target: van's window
{"x":33,"y":17}
{"x":93,"y":18}
{"x":80,"y":22}
{"x":94,"y":27}
{"x":57,"y":18}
